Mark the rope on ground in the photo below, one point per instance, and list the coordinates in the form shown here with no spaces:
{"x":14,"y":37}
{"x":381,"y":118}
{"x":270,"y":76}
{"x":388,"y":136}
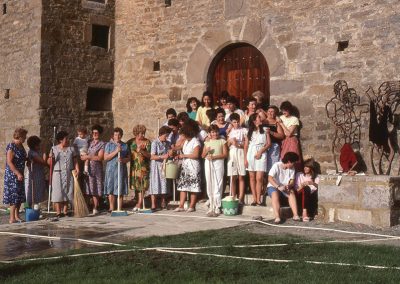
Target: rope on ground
{"x":58,"y":238}
{"x":280,"y":260}
{"x":272,"y":225}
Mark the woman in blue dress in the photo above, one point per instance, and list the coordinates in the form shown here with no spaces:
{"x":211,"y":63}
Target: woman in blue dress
{"x":14,"y":188}
{"x":111,"y":151}
{"x":159,"y":154}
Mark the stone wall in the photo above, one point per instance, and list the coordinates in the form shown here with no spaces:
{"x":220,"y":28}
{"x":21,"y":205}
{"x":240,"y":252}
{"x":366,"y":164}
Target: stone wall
{"x":298,"y":39}
{"x":19,"y":72}
{"x":370,"y":200}
{"x":70,"y":64}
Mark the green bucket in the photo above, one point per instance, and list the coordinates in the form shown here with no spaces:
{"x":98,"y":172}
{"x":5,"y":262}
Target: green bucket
{"x":230,"y":207}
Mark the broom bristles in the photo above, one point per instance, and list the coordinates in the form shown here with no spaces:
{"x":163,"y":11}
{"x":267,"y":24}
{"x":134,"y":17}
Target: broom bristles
{"x":80,"y":207}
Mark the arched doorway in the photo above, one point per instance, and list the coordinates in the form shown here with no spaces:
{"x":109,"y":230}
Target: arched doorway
{"x":240,"y":69}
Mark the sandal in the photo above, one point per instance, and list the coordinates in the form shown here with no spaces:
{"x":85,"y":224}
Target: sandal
{"x":253,"y":204}
{"x":179,"y":209}
{"x":296,"y":218}
{"x":190,"y":210}
{"x":277,"y":221}
{"x":306,"y":219}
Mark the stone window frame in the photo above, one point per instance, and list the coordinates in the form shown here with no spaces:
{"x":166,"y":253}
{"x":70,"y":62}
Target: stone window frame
{"x":99,"y":86}
{"x":103,"y":21}
{"x":94,"y":5}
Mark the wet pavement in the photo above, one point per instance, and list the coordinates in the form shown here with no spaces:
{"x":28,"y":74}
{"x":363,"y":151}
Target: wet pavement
{"x":102,"y":228}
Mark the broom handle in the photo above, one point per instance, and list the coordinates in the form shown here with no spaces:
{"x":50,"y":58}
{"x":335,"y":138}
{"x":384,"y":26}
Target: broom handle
{"x":50,"y":180}
{"x":119,"y":182}
{"x":230,"y":183}
{"x":51,"y":171}
{"x":33,"y":201}
{"x":173,"y":189}
{"x":211,"y":185}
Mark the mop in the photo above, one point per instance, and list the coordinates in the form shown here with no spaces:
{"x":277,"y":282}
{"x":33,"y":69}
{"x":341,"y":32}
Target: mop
{"x":51,"y":172}
{"x":119,"y":212}
{"x":34,"y":214}
{"x":144,"y":210}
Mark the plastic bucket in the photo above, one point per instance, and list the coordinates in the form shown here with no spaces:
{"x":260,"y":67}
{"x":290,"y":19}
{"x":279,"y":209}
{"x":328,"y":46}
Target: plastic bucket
{"x":31,"y":214}
{"x":171,"y":170}
{"x":230,"y":207}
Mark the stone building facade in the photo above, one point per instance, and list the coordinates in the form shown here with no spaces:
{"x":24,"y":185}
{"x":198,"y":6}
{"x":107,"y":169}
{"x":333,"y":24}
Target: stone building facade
{"x":49,"y":63}
{"x":300,"y":40}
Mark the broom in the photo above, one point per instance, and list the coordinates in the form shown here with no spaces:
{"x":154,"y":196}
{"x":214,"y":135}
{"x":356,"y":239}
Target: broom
{"x":80,"y":208}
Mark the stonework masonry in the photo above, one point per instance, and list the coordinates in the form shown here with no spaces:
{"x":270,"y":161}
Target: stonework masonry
{"x":48,"y":63}
{"x":297,"y":38}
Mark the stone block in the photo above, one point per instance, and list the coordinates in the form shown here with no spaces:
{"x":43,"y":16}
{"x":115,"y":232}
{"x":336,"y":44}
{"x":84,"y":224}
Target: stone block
{"x":197,"y":64}
{"x":383,"y":218}
{"x":346,"y":193}
{"x":377,"y":197}
{"x":175,"y":94}
{"x":215,"y":38}
{"x":253,"y":32}
{"x":282,"y":87}
{"x":273,"y":55}
{"x":292,"y":50}
{"x":235,"y":8}
{"x":355,"y":216}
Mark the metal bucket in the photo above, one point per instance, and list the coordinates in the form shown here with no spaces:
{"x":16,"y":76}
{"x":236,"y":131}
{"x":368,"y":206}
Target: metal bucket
{"x":171,"y":170}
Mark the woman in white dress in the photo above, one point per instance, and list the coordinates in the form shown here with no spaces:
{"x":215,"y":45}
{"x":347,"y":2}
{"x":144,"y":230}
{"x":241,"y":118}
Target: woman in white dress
{"x":256,"y":144}
{"x":189,"y":177}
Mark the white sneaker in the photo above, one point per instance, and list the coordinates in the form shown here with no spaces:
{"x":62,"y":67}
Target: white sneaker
{"x":95,"y":212}
{"x":190,"y":209}
{"x":135,"y":209}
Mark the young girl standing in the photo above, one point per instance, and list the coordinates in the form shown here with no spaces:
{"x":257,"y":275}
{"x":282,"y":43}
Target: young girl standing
{"x":236,"y":168}
{"x":257,"y":142}
{"x":214,"y":152}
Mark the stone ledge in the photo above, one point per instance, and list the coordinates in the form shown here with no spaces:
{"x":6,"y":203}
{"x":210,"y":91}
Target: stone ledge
{"x":369,"y":200}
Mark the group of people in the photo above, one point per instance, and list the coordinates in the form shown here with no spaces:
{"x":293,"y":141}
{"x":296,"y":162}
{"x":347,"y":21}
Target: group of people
{"x":232,"y":142}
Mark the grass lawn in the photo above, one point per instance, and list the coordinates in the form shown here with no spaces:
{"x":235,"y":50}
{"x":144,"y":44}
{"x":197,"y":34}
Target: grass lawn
{"x":161,"y":267}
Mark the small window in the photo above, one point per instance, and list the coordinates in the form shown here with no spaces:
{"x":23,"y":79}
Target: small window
{"x":342,"y":45}
{"x":98,"y":1}
{"x":156,"y":66}
{"x":168,"y":3}
{"x":100,"y":35}
{"x":99,"y":99}
{"x":4,"y":8}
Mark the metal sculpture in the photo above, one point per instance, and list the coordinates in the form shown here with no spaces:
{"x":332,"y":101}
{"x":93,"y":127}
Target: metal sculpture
{"x":384,"y":123}
{"x":345,"y":111}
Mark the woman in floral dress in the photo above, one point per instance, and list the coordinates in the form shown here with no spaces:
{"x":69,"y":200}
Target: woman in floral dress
{"x":14,"y":189}
{"x":189,"y":177}
{"x":95,"y":157}
{"x":140,"y":163}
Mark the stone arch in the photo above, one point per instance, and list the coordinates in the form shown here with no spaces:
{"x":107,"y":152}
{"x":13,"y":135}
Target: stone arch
{"x":214,"y":41}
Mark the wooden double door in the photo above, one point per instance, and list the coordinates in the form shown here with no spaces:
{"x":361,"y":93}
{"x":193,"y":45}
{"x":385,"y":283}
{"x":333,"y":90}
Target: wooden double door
{"x":240,"y":70}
